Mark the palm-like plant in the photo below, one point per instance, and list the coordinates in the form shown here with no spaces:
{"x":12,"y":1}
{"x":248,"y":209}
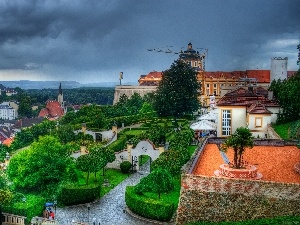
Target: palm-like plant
{"x":239,"y":141}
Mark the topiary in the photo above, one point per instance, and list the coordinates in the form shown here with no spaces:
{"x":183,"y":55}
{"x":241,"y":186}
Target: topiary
{"x":125,"y":166}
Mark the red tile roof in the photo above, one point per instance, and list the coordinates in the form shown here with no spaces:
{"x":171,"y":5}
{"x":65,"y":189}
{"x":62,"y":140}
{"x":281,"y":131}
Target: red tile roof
{"x":290,"y":73}
{"x":53,"y":110}
{"x":244,"y":97}
{"x":7,"y":141}
{"x":151,"y":79}
{"x":262,"y":76}
{"x":258,"y":108}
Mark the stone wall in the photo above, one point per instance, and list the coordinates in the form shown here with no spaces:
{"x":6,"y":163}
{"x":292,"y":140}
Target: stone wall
{"x":129,"y":90}
{"x":221,"y":199}
{"x":259,"y":142}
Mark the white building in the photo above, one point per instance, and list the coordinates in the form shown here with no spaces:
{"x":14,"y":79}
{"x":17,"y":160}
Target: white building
{"x":7,"y":112}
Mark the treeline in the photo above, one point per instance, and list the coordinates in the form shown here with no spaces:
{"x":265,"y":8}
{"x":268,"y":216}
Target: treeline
{"x":77,"y":96}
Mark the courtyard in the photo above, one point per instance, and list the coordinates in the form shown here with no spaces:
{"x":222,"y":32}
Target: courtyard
{"x":273,"y":162}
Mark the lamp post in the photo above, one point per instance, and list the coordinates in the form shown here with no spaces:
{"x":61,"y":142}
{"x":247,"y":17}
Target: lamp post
{"x":24,"y":200}
{"x":54,"y":203}
{"x":88,"y":207}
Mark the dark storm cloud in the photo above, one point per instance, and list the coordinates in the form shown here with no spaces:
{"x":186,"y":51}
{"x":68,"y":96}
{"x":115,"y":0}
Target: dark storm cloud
{"x":86,"y":40}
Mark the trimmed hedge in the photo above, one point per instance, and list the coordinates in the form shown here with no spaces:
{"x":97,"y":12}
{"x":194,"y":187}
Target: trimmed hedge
{"x":119,"y":144}
{"x":73,"y":195}
{"x":147,"y":207}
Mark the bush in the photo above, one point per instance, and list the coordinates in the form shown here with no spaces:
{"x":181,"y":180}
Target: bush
{"x":119,"y":144}
{"x":148,"y":207}
{"x":72,"y":195}
{"x":125,"y":166}
{"x":157,"y":181}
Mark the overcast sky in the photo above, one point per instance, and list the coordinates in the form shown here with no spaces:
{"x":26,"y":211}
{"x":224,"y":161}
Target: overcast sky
{"x":92,"y":41}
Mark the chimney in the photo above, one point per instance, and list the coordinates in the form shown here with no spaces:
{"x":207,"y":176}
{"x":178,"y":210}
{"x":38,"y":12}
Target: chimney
{"x":270,"y":95}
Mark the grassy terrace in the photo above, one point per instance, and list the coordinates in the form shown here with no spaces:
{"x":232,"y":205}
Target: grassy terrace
{"x":283,"y":130}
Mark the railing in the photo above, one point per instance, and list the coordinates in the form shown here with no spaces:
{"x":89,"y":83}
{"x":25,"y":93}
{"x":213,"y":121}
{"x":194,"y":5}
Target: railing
{"x":13,"y":219}
{"x":42,"y":221}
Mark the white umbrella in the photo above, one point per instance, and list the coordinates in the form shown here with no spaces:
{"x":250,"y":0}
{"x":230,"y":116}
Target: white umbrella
{"x":208,"y":116}
{"x":214,"y":111}
{"x":203,"y":125}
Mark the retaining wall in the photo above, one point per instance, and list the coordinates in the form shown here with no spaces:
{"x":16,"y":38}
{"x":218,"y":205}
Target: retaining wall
{"x":219,"y":199}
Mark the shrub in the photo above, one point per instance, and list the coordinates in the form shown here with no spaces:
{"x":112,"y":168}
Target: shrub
{"x":72,"y":195}
{"x":125,"y":166}
{"x":157,"y":181}
{"x":148,"y":207}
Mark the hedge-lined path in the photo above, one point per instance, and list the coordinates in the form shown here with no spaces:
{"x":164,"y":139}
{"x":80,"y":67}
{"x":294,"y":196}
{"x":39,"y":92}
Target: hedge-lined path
{"x":109,"y":210}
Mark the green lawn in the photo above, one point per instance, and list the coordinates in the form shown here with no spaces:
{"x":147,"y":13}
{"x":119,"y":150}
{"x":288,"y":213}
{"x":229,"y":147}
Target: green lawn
{"x":114,"y":177}
{"x":172,"y":197}
{"x":283,"y":130}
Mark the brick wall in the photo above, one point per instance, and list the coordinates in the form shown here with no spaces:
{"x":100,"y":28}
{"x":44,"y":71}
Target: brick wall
{"x":222,"y":199}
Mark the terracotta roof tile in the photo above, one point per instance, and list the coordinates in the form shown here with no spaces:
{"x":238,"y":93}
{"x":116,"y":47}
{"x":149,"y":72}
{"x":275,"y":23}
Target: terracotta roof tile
{"x":258,"y":108}
{"x":244,"y":97}
{"x":53,"y":109}
{"x":262,"y":76}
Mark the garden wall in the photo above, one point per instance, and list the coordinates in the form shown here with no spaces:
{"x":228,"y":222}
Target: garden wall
{"x":221,"y":199}
{"x":259,"y":142}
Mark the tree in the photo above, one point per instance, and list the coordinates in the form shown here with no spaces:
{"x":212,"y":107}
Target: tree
{"x":177,"y":92}
{"x":102,"y":155}
{"x":288,"y":96}
{"x":66,"y":133}
{"x":157,"y":181}
{"x":40,"y":167}
{"x":85,"y":163}
{"x":239,"y":141}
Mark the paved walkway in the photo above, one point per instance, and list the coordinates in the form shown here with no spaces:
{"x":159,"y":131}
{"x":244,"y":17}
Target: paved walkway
{"x":106,"y":211}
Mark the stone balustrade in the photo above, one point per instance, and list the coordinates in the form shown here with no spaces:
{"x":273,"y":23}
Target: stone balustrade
{"x":13,"y":219}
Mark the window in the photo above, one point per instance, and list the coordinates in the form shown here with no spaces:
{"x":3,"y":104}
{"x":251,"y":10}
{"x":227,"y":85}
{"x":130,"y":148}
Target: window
{"x":226,"y":122}
{"x":215,"y":85}
{"x":207,"y":85}
{"x":258,"y":121}
{"x":195,"y":64}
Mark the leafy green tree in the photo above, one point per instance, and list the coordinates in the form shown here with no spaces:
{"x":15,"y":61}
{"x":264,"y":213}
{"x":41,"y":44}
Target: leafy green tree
{"x":22,"y":139}
{"x":134,"y":104}
{"x":239,"y":141}
{"x":40,"y":167}
{"x":66,"y":133}
{"x":157,"y":134}
{"x":25,"y":104}
{"x":101,"y":155}
{"x":41,"y":129}
{"x":288,"y":96}
{"x":5,"y":196}
{"x":85,"y":163}
{"x":158,"y":181}
{"x":169,"y":160}
{"x":177,"y":92}
{"x":146,"y":108}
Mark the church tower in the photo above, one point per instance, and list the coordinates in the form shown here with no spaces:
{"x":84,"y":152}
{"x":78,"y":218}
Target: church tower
{"x":194,"y":58}
{"x":60,"y":97}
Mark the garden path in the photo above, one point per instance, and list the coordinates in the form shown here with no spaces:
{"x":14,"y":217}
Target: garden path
{"x":106,"y":211}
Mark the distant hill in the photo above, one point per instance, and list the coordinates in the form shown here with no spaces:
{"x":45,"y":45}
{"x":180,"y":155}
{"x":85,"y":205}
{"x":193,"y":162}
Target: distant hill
{"x":27,"y":84}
